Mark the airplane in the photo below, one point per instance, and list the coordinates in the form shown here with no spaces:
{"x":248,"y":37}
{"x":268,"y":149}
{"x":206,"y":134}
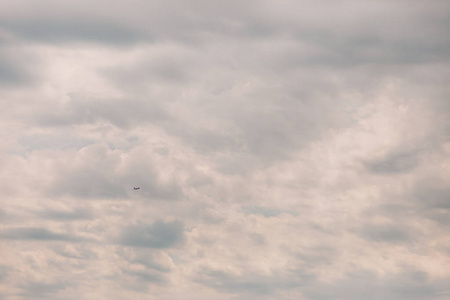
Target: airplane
{"x":136,"y":188}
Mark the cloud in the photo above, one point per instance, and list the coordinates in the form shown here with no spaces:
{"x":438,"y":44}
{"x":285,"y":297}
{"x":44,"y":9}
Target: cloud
{"x":15,"y":63}
{"x":394,"y":163}
{"x":96,"y":171}
{"x":158,"y":235}
{"x":406,"y":284}
{"x":77,"y":214}
{"x":288,"y":150}
{"x":386,"y":233}
{"x":85,"y":110}
{"x":37,"y":234}
{"x":12,"y":74}
{"x":3,"y":272}
{"x":433,"y":196}
{"x":263,"y":211}
{"x":150,"y":262}
{"x":67,"y":30}
{"x":148,"y":276}
{"x":432,"y":199}
{"x":78,"y":251}
{"x":40,"y":290}
{"x":251,"y":284}
{"x":41,"y":141}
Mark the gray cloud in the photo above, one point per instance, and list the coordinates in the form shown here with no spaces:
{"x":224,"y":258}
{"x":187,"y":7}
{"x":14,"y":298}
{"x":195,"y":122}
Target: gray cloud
{"x":171,"y":65}
{"x":40,"y":290}
{"x":66,"y":30}
{"x":78,"y":251}
{"x":259,"y":285}
{"x":157,"y":235}
{"x":431,"y":201}
{"x":406,"y":284}
{"x":35,"y":142}
{"x":301,"y":146}
{"x":3,"y":215}
{"x":144,"y":257}
{"x":77,"y":214}
{"x":88,"y":182}
{"x":11,"y":74}
{"x":254,"y":285}
{"x":101,"y":172}
{"x":148,"y":276}
{"x":316,"y":256}
{"x":386,"y":233}
{"x":15,"y":70}
{"x":266,"y":212}
{"x":432,"y":196}
{"x":85,"y":110}
{"x":37,"y":234}
{"x":394,"y":163}
{"x":4,"y":270}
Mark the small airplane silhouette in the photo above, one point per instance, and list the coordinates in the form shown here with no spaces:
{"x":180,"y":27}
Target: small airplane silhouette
{"x":136,"y":188}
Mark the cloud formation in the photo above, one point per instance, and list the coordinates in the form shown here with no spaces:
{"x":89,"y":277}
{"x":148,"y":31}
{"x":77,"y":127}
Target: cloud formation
{"x":35,"y":234}
{"x":283,"y":150}
{"x":156,"y":235}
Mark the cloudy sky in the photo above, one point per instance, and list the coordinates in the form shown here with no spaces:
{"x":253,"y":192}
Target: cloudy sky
{"x":283,"y":150}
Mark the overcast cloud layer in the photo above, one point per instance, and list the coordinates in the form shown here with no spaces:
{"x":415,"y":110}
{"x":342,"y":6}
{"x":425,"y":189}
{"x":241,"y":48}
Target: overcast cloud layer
{"x":283,"y":150}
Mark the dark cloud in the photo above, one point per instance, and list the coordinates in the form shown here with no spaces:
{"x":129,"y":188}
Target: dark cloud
{"x":37,"y":234}
{"x":79,"y":251}
{"x":60,"y":215}
{"x":378,"y":50}
{"x":431,"y":200}
{"x":3,"y":215}
{"x":189,"y":23}
{"x":263,"y":211}
{"x":150,"y":263}
{"x":41,"y":290}
{"x":4,"y":270}
{"x":395,"y":286}
{"x":394,"y":163}
{"x":426,"y":199}
{"x":148,"y":276}
{"x":432,"y":196}
{"x":157,"y":235}
{"x":253,"y":285}
{"x":406,"y":284}
{"x":391,"y":233}
{"x":66,"y":30}
{"x":11,"y":74}
{"x":257,"y":238}
{"x":144,"y":257}
{"x":227,"y":283}
{"x":314,"y":257}
{"x":15,"y":70}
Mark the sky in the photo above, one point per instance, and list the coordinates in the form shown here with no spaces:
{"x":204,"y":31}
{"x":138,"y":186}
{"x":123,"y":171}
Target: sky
{"x":283,"y":149}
